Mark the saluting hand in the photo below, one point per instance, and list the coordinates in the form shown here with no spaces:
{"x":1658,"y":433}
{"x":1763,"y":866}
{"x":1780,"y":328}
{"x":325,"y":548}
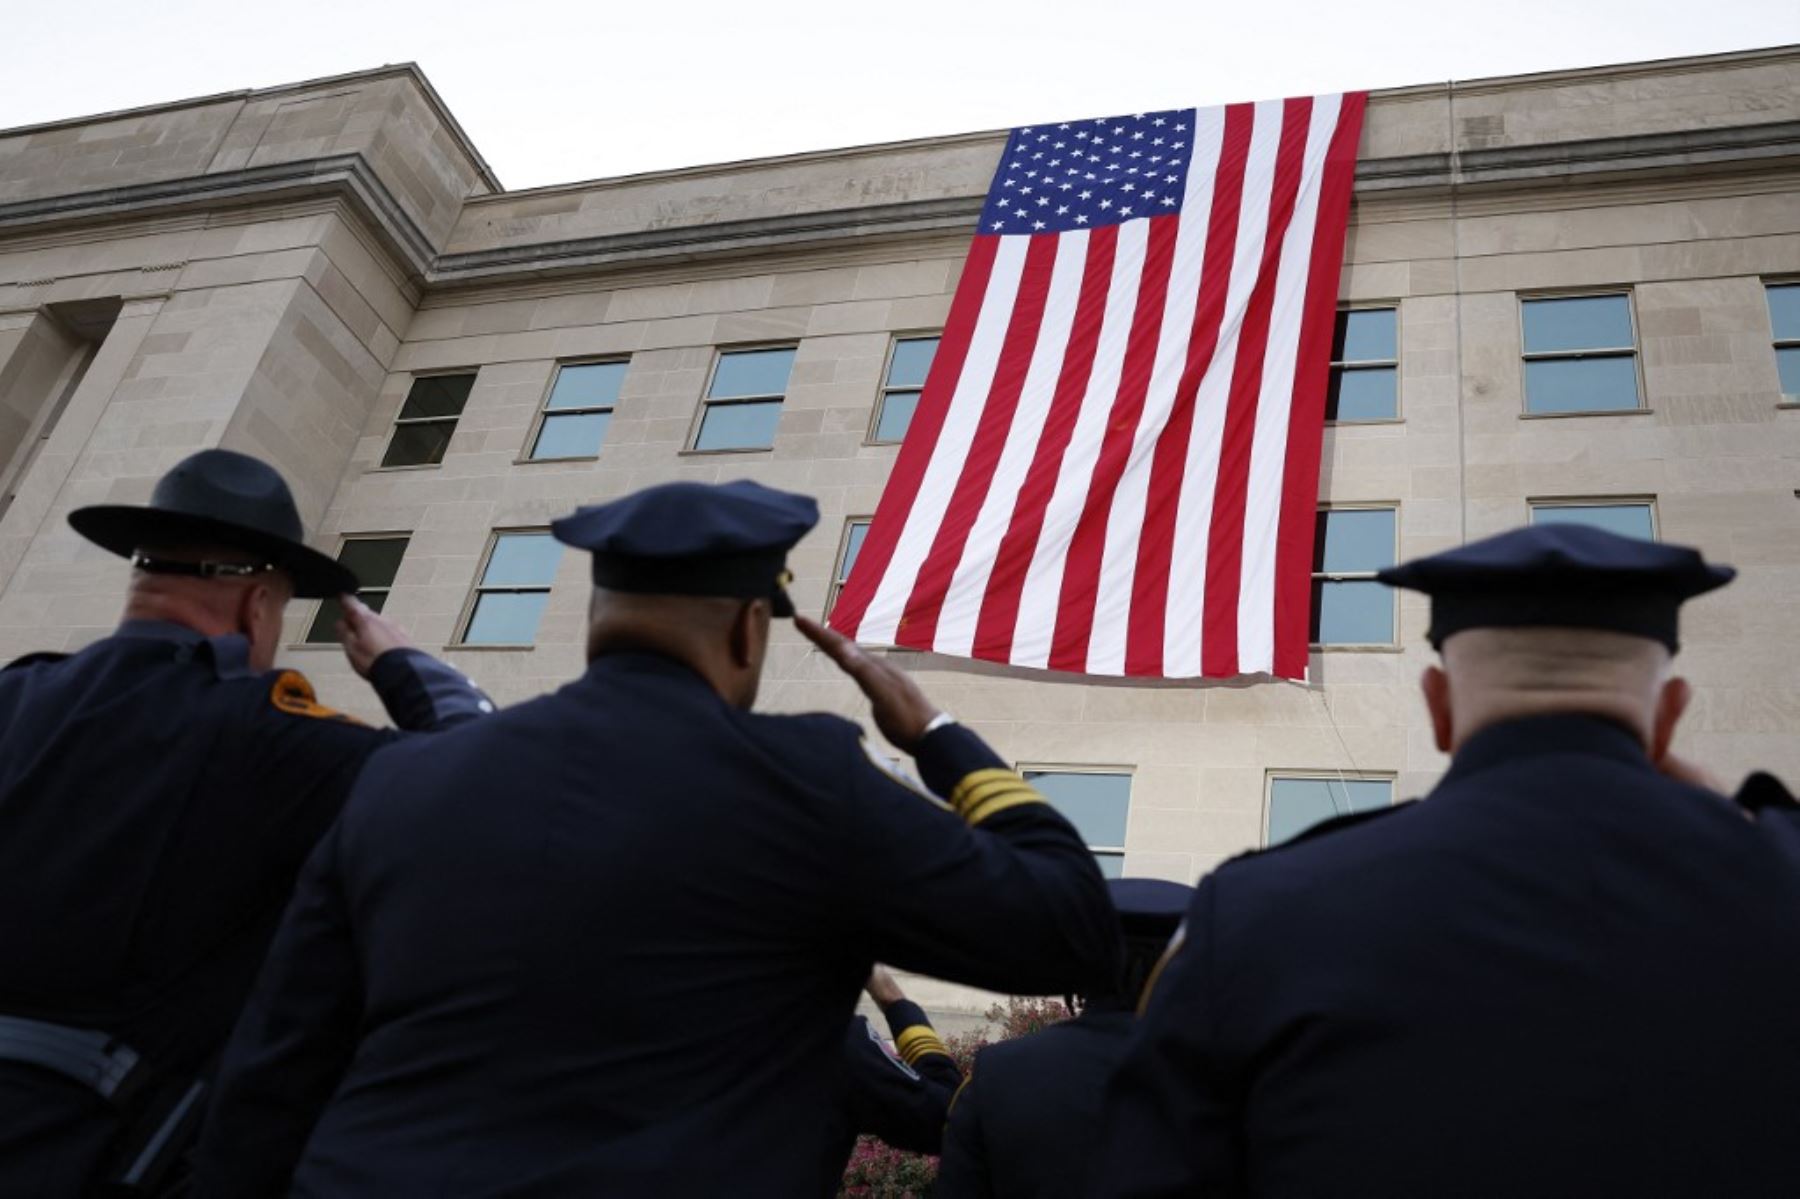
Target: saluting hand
{"x":366,"y":634}
{"x":900,"y":709}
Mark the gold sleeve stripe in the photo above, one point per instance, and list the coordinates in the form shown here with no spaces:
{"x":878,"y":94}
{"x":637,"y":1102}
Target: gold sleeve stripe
{"x":985,"y":791}
{"x":959,"y":797}
{"x":917,"y":1041}
{"x":999,"y":803}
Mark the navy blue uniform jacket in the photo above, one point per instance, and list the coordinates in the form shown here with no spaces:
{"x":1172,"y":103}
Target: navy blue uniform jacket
{"x":157,"y":799}
{"x":1560,"y":974}
{"x":607,"y":943}
{"x":1026,"y":1122}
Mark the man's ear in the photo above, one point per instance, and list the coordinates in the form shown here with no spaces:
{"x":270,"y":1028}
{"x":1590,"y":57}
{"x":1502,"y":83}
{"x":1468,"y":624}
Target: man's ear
{"x":1436,"y":686}
{"x":746,"y":635}
{"x":1671,"y":701}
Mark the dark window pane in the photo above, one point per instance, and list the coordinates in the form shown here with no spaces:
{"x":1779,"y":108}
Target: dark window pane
{"x":323,"y":629}
{"x":1096,"y":804}
{"x":571,"y":436}
{"x":1787,"y":361}
{"x":912,"y":361}
{"x":375,"y":560}
{"x":1352,"y":612}
{"x":1295,"y":805}
{"x":752,"y":373}
{"x":1627,"y":520}
{"x":1370,"y":393}
{"x":418,"y":445}
{"x":897,"y":409}
{"x":439,"y":395}
{"x":1365,"y":335}
{"x":1581,"y":385}
{"x":853,"y":547}
{"x":739,"y":426}
{"x":588,"y":385}
{"x":1784,"y":311}
{"x":506,"y":618}
{"x":1354,"y":539}
{"x":1112,"y":865}
{"x":1577,"y":323}
{"x":523,"y":560}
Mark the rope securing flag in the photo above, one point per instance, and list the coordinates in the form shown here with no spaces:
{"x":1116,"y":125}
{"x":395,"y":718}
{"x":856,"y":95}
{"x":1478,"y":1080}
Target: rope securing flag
{"x":1113,"y":468}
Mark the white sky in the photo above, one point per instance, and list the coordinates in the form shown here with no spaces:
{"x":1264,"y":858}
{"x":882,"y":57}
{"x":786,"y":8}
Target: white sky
{"x":554,"y":91}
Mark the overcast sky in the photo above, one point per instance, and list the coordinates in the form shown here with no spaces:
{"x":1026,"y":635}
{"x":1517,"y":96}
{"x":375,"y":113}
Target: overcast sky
{"x":554,"y":91}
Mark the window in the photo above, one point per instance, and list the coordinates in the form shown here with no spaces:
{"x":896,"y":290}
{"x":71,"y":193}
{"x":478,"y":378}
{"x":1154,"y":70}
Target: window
{"x":1784,"y":315}
{"x":427,"y":419}
{"x":1365,"y":366}
{"x":578,"y":411}
{"x":515,"y":585}
{"x":1348,"y":606}
{"x":1580,"y":354}
{"x":743,"y":404}
{"x":908,"y":365}
{"x":855,"y":530}
{"x":1297,"y":802}
{"x":1096,"y":802}
{"x":375,"y":560}
{"x":1628,"y":518}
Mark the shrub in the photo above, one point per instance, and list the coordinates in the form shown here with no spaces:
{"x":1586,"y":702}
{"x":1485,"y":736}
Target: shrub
{"x":877,"y":1171}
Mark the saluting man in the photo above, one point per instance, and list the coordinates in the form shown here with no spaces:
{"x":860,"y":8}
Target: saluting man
{"x":159,"y":791}
{"x":899,"y":1094}
{"x":607,"y":942}
{"x":1568,"y":971}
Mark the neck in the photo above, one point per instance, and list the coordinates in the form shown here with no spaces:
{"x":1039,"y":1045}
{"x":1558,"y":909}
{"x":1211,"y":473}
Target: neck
{"x":150,"y":604}
{"x":1505,"y":707}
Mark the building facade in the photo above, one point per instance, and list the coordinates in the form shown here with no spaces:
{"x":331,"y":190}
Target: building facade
{"x":1566,"y":296}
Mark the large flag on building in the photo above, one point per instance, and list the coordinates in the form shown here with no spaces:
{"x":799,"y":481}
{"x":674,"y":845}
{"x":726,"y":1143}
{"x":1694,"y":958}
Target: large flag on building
{"x":1113,"y":467}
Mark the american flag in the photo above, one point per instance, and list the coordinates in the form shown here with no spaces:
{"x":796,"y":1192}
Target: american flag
{"x":1113,"y":468}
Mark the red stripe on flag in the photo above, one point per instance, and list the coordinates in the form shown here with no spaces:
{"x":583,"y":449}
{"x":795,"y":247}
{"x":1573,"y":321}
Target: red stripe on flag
{"x":1150,"y":584}
{"x":1225,"y":544}
{"x":921,"y":441}
{"x":1081,"y":576}
{"x":918,"y":625}
{"x":1012,"y":562}
{"x":1306,"y":424}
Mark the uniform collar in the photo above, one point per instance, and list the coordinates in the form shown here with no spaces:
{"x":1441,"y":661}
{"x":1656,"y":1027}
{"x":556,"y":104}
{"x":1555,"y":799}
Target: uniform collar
{"x":229,"y":654}
{"x":1542,"y":736}
{"x":160,"y":630}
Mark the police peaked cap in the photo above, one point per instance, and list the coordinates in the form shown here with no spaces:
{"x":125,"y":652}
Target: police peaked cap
{"x":1565,"y":575}
{"x":719,"y":539}
{"x":223,"y":498}
{"x":1149,"y":907}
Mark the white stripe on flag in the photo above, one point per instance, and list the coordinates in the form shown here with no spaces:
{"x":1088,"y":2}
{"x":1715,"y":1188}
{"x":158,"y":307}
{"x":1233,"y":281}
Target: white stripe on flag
{"x":1193,"y":520}
{"x":1043,"y":582}
{"x":1268,"y":453}
{"x":968,"y":587}
{"x":1125,"y":524}
{"x":882,"y":619}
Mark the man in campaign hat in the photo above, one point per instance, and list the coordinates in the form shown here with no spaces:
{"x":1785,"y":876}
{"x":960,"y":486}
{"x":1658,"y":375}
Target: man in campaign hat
{"x":607,"y":942}
{"x":159,"y":790}
{"x":1566,"y":972}
{"x":1027,"y":1119}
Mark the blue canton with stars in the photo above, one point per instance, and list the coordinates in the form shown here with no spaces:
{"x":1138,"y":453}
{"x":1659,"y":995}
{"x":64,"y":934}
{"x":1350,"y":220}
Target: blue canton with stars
{"x":1085,"y":174}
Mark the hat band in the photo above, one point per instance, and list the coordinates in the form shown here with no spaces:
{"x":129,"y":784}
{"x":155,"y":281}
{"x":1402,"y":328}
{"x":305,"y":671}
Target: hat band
{"x":756,"y":575}
{"x":199,"y":570}
{"x":1650,"y":613}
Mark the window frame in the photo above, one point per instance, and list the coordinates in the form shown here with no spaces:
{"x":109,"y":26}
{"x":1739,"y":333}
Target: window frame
{"x":1360,"y":576}
{"x":1356,"y":364}
{"x":477,"y":589}
{"x":838,"y":574}
{"x":1777,"y":343}
{"x":1535,"y":502}
{"x":474,"y":373}
{"x":345,"y":539}
{"x":885,"y":389}
{"x":1271,"y":774}
{"x":1634,"y":351}
{"x":692,"y":444}
{"x":1130,"y":773}
{"x":544,"y":412}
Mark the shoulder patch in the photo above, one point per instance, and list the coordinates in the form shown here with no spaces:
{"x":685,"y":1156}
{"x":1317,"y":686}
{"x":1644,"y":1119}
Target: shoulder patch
{"x":294,"y":695}
{"x":37,"y":659}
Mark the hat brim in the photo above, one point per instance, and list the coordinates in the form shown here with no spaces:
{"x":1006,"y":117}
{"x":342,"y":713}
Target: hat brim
{"x":123,"y":529}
